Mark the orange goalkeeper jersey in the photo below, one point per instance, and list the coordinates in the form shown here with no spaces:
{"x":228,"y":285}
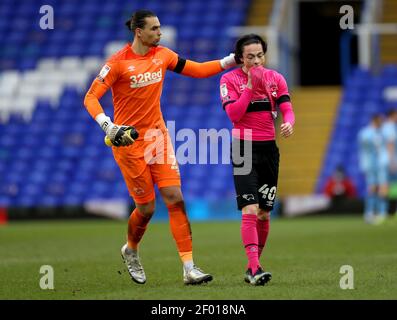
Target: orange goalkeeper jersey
{"x":136,"y":83}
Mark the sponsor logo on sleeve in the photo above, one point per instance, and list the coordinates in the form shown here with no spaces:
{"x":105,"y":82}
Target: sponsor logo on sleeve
{"x":224,"y":90}
{"x":103,"y":73}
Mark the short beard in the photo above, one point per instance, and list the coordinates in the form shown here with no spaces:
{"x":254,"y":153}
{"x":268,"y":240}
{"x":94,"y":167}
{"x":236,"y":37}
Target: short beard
{"x":151,"y":44}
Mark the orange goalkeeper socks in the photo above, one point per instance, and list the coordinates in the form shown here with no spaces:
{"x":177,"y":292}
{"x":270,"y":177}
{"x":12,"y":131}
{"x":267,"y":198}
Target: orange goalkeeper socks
{"x":136,"y":228}
{"x":180,"y":228}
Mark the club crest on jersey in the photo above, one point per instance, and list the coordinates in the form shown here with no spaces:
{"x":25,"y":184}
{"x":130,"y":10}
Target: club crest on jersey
{"x":157,"y":62}
{"x":273,"y":89}
{"x":145,"y":79}
{"x":103,"y":73}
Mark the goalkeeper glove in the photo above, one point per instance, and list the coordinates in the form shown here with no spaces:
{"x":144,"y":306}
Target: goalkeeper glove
{"x":117,"y":134}
{"x":229,"y":61}
{"x":122,"y":136}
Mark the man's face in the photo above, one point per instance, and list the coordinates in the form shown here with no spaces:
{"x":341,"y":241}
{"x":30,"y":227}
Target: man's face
{"x":253,"y":55}
{"x":150,"y":35}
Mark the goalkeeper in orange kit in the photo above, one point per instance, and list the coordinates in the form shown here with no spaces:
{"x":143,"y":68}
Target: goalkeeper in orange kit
{"x":135,"y":75}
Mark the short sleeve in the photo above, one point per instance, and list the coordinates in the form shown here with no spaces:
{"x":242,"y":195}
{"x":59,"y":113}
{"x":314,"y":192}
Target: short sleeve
{"x":227,"y":91}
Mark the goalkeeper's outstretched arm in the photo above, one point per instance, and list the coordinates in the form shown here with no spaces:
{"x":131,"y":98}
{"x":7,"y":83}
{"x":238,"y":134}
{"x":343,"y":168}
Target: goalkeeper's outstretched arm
{"x":204,"y":69}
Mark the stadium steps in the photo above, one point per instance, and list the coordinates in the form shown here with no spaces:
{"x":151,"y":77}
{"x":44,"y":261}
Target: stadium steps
{"x":259,"y":13}
{"x":301,"y":155}
{"x":388,"y":42}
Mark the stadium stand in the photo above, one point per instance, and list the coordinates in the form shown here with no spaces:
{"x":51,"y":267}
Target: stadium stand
{"x":47,"y":161}
{"x":364,"y":94}
{"x":302,"y":155}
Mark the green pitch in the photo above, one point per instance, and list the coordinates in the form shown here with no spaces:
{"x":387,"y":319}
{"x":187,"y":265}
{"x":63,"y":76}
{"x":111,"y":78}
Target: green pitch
{"x":304,"y":254}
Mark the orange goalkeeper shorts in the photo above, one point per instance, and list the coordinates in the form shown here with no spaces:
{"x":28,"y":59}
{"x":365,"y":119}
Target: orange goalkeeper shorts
{"x":146,"y":163}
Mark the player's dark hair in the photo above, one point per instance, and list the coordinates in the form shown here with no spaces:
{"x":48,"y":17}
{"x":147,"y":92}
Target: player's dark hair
{"x":247,"y":40}
{"x":138,"y":19}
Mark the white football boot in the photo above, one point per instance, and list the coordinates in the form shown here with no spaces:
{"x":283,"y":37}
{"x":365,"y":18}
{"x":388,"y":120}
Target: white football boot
{"x":131,"y":260}
{"x":195,"y":276}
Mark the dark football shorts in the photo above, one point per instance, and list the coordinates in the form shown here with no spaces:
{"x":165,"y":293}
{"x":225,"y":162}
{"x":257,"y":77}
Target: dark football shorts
{"x":255,"y":173}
